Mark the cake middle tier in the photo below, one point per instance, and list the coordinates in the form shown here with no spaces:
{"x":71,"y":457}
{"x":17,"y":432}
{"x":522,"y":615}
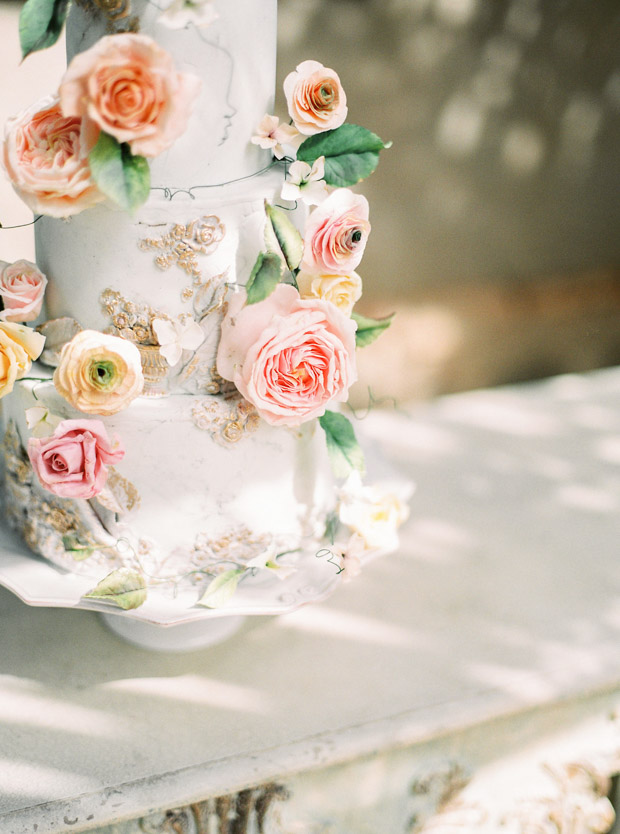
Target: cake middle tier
{"x":178,"y":259}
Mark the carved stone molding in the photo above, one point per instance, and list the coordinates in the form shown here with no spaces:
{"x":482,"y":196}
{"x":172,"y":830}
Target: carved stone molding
{"x":245,"y":812}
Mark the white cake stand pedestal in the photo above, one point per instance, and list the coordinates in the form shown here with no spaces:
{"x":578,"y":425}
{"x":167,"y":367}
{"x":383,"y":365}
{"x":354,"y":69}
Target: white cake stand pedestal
{"x":183,"y":637}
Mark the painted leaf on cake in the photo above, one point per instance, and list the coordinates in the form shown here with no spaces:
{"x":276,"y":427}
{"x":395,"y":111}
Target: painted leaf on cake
{"x":351,"y":153}
{"x":345,"y":453}
{"x":282,"y":237}
{"x":40,"y":24}
{"x":369,"y":329}
{"x":122,"y":177}
{"x":124,"y":587}
{"x":221,"y":589}
{"x":264,"y":278}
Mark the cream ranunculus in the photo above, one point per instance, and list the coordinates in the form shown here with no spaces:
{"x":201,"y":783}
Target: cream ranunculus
{"x":315,"y":98}
{"x":128,"y":85}
{"x":341,"y":290}
{"x":374,"y":512}
{"x":19,"y":345}
{"x":99,"y":373}
{"x":46,"y":158}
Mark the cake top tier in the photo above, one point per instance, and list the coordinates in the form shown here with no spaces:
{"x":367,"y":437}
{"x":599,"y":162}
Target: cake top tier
{"x":234,"y":56}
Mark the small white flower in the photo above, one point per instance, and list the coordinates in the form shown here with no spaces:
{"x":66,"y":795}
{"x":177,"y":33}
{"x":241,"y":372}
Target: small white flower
{"x":270,"y":134}
{"x":180,"y":13}
{"x":374,"y":512}
{"x":306,"y":183}
{"x":41,"y":421}
{"x":174,"y":337}
{"x":267,"y":559}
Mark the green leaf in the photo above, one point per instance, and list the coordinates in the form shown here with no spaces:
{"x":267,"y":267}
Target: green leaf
{"x":121,"y":176}
{"x":124,"y":587}
{"x":332,"y":523}
{"x":221,"y":588}
{"x":345,"y":453}
{"x":282,"y":237}
{"x":264,"y":278}
{"x":351,"y":153}
{"x":369,"y":329}
{"x":78,"y":549}
{"x":40,"y":24}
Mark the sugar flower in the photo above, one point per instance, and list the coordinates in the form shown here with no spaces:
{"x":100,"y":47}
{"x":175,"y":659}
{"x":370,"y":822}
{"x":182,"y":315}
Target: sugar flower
{"x":19,"y":345}
{"x":22,"y":287}
{"x":174,"y":337}
{"x":341,"y":290}
{"x":127,"y":85}
{"x":73,"y":462}
{"x":290,"y":357}
{"x":99,"y":373}
{"x":306,"y":183}
{"x":267,"y":560}
{"x":336,"y":234}
{"x":374,"y":512}
{"x":41,"y":421}
{"x":45,"y":154}
{"x":181,"y":13}
{"x":271,"y":135}
{"x":315,"y":98}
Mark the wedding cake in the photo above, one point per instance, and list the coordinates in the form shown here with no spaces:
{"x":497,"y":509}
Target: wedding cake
{"x":191,"y":306}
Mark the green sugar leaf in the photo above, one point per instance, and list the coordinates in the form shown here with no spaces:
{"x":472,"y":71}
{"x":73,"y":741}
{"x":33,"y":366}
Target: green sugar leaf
{"x":264,"y":278}
{"x":221,"y":589}
{"x":345,"y":453}
{"x":40,"y":24}
{"x":121,"y":176}
{"x":369,"y":329}
{"x":351,"y":153}
{"x":124,"y":587}
{"x":282,"y":237}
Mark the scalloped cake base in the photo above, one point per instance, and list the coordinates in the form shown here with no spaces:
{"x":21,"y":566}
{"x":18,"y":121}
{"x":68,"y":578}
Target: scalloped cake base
{"x":166,"y":621}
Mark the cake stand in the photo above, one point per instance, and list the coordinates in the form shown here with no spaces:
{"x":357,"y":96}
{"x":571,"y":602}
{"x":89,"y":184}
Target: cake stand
{"x":166,"y":622}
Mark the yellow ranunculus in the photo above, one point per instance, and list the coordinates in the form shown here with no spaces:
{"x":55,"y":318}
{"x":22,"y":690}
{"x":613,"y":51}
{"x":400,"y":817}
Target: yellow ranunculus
{"x":19,"y":345}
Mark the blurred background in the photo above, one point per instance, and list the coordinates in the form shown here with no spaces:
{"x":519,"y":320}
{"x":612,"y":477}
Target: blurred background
{"x":495,"y":214}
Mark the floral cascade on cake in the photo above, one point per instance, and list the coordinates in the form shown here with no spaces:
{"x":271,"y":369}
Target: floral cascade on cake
{"x":195,"y":341}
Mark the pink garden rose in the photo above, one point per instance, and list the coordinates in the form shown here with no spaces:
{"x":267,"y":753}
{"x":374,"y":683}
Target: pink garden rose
{"x":336,"y":234}
{"x":315,"y":98}
{"x":72,"y":463}
{"x":22,"y":286}
{"x":46,"y":158}
{"x":127,"y":85}
{"x":290,"y":357}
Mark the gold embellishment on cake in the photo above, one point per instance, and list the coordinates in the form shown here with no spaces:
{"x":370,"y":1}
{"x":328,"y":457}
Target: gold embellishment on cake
{"x":155,"y":371}
{"x":114,"y":11}
{"x":125,"y":496}
{"x":130,"y":320}
{"x":227,"y":421}
{"x":182,"y":245}
{"x":238,"y":546}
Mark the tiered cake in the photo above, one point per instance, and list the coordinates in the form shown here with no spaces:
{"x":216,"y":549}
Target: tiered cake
{"x":158,"y":448}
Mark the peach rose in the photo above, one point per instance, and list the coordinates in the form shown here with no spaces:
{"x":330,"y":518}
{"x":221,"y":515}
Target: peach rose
{"x":336,"y":234}
{"x":315,"y":98}
{"x":99,"y":373}
{"x":22,"y":286}
{"x":128,"y":86}
{"x":341,"y":290}
{"x":73,"y":462}
{"x":45,"y":155}
{"x":290,"y":357}
{"x":19,"y":345}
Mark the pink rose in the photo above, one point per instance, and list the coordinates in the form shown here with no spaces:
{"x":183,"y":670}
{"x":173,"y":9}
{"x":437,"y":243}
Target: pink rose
{"x":290,"y":357}
{"x":315,"y":98}
{"x":46,"y":157}
{"x":22,"y":286}
{"x":128,"y":86}
{"x":336,"y":234}
{"x":72,"y":463}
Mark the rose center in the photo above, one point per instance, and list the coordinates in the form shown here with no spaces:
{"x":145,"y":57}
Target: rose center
{"x":59,"y":464}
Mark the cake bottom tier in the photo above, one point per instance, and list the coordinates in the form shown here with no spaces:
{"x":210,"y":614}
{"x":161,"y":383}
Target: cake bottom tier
{"x":204,"y":485}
